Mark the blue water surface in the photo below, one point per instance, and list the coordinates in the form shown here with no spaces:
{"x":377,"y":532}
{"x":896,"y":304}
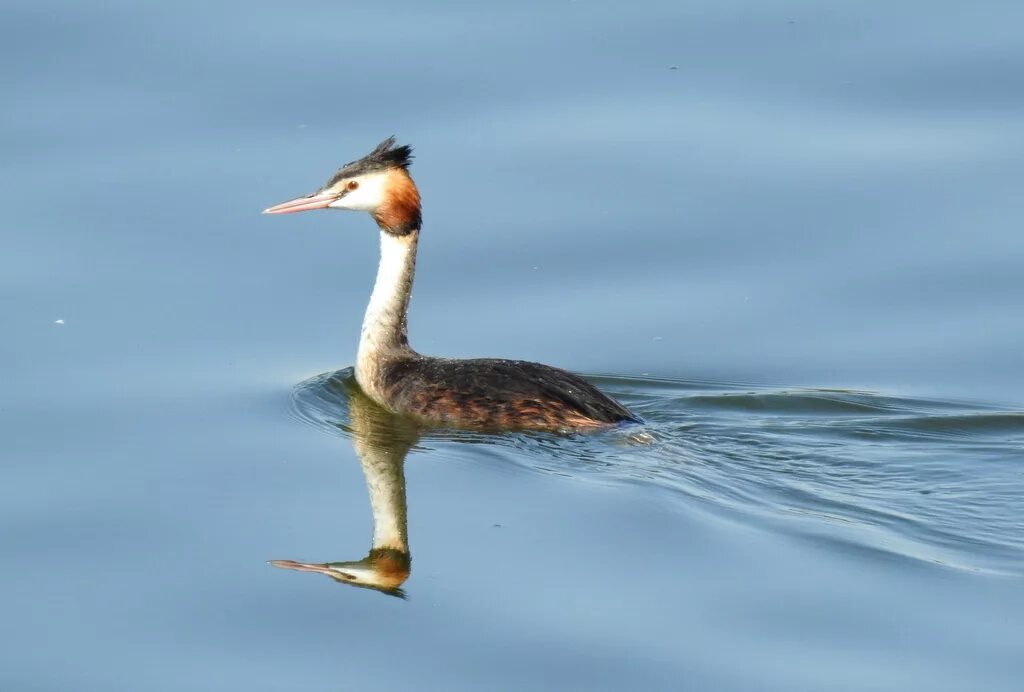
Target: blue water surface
{"x":787,"y":234}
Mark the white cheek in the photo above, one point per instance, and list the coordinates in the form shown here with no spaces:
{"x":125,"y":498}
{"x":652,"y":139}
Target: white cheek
{"x":367,"y":197}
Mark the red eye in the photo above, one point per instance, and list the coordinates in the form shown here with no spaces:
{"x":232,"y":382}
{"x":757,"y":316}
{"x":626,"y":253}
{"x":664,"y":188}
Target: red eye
{"x":352,"y":185}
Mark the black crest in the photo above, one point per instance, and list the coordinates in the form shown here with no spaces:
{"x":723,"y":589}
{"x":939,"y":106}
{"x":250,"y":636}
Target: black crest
{"x":385,"y":156}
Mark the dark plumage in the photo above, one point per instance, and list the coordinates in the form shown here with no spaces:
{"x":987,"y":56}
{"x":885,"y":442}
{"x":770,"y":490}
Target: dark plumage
{"x":386,"y":155}
{"x":491,"y":393}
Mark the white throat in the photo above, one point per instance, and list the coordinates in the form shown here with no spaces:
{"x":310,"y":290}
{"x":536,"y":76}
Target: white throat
{"x":384,"y":325}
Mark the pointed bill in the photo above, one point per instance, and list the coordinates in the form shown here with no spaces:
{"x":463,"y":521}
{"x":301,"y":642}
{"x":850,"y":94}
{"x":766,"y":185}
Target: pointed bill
{"x":314,"y":201}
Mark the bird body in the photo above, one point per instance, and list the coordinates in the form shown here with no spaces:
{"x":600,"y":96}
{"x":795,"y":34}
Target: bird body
{"x":486,"y":393}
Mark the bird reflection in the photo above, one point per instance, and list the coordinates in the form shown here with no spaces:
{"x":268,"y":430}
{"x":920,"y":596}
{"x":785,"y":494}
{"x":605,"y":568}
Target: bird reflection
{"x":381,"y":441}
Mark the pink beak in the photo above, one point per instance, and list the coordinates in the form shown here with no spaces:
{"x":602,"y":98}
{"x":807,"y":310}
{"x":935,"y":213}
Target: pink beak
{"x":302,"y":204}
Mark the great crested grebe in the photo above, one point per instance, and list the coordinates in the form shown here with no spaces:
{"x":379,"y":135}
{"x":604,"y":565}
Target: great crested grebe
{"x":484,"y":393}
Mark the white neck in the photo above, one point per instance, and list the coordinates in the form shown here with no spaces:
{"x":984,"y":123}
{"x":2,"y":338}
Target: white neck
{"x":384,"y":325}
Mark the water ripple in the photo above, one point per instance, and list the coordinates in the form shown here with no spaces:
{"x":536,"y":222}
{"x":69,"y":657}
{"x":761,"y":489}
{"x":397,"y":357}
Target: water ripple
{"x":932,"y":480}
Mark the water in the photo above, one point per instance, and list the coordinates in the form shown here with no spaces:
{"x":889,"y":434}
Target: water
{"x":791,"y":232}
{"x":937,"y":481}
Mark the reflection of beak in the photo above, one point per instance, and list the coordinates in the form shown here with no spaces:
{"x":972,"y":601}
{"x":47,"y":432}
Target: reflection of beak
{"x":362,"y":572}
{"x":383,"y":574}
{"x":314,"y":201}
{"x":318,"y":567}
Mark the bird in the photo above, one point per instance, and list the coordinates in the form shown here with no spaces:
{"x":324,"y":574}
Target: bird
{"x":489,"y":394}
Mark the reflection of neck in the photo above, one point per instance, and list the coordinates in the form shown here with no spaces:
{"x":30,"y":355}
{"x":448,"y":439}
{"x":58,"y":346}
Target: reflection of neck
{"x":385,"y":482}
